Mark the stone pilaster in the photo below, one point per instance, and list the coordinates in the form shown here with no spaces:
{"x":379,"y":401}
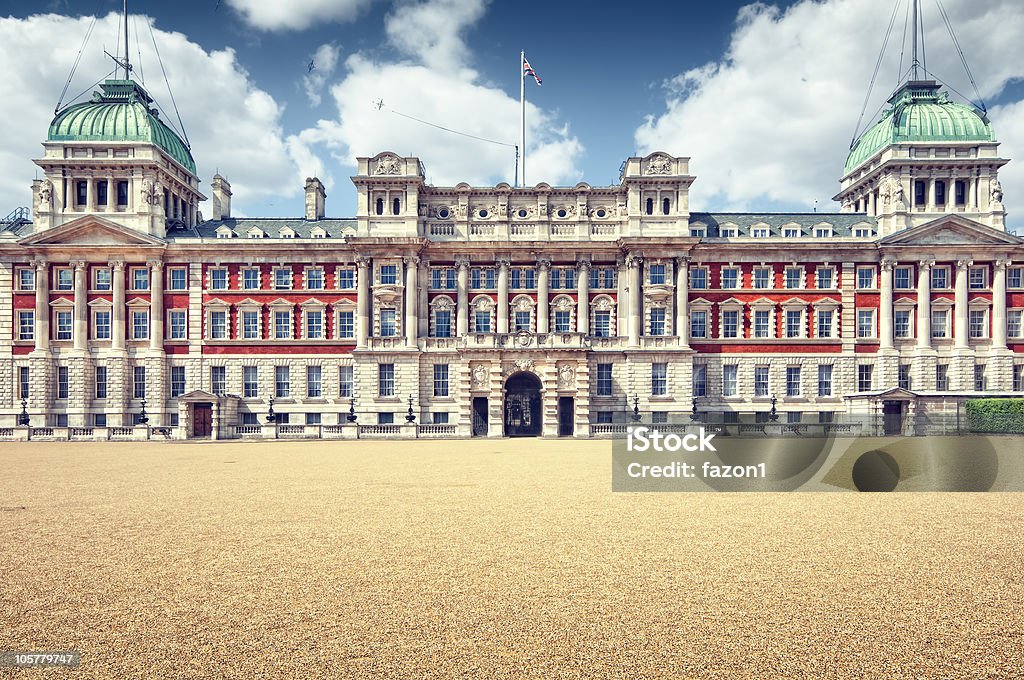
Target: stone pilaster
{"x":682,"y":265}
{"x":634,"y":264}
{"x":362,"y":301}
{"x":583,"y":297}
{"x":462,"y":308}
{"x":411,"y":296}
{"x":503,"y":266}
{"x":81,"y":323}
{"x":543,"y":292}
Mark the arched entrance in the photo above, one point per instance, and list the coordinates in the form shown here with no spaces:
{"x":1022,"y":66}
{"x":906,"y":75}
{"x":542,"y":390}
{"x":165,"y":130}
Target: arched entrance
{"x":522,"y":405}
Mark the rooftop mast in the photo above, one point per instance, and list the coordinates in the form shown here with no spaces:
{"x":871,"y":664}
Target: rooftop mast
{"x":127,"y":68}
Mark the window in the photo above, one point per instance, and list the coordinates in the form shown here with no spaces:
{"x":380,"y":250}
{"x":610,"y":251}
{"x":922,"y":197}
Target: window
{"x":760,"y":232}
{"x":901,"y":323}
{"x":62,"y":382}
{"x":521,"y":322}
{"x":864,"y":381}
{"x":700,"y":380}
{"x":1014,"y":319}
{"x":380,"y":206}
{"x":314,"y":382}
{"x":346,"y":324}
{"x":140,"y":325}
{"x":760,"y":381}
{"x":26,"y":279}
{"x":979,"y":377}
{"x":101,"y":382}
{"x":219,"y":279}
{"x":699,"y":278}
{"x":486,"y":278}
{"x":315,"y":324}
{"x":903,"y":376}
{"x":178,"y":324}
{"x":761,"y":325}
{"x":346,"y":279}
{"x":177,"y":278}
{"x":794,"y":417}
{"x":977,"y":278}
{"x":665,"y":206}
{"x":482,"y":321}
{"x":563,"y":320}
{"x":139,"y":382}
{"x":386,"y":380}
{"x":26,"y":325}
{"x":698,"y":324}
{"x":140,"y":278}
{"x":443,"y":323}
{"x":250,"y":382}
{"x":901,"y":278}
{"x":65,"y":279}
{"x":250,"y":324}
{"x":218,"y":379}
{"x":791,"y":232}
{"x":1015,"y":277}
{"x":794,"y":277}
{"x":101,"y":278}
{"x":100,"y":419}
{"x":602,"y":278}
{"x":440,"y":380}
{"x":282,"y":382}
{"x":388,"y":326}
{"x":976,"y":322}
{"x":282,"y":279}
{"x":794,"y":323}
{"x":101,"y":324}
{"x":942,"y":376}
{"x":792,"y":381}
{"x":826,"y":278}
{"x":218,"y":325}
{"x":440,"y":417}
{"x":122,"y":192}
{"x":659,"y":379}
{"x":919,"y":191}
{"x":249,"y":418}
{"x":385,"y":418}
{"x":602,"y":324}
{"x":939,"y":317}
{"x":729,"y":372}
{"x":940,"y":192}
{"x":64,"y":325}
{"x":282,"y":325}
{"x":762,"y":278}
{"x":604,"y":380}
{"x":177,"y":381}
{"x":250,"y":279}
{"x":346,"y":381}
{"x":825,"y":380}
{"x":865,"y":277}
{"x":960,"y":192}
{"x":657,"y":274}
{"x":650,"y":206}
{"x":605,"y":417}
{"x":822,"y":232}
{"x":728,"y":232}
{"x":389,"y":274}
{"x":865,"y":323}
{"x":657,"y":320}
{"x":730,"y":277}
{"x":443,"y":278}
{"x":824,"y":323}
{"x":313,"y":418}
{"x":940,"y":278}
{"x":730,"y":324}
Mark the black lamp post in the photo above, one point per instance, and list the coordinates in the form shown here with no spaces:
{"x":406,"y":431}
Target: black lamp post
{"x":773,"y":415}
{"x":23,"y":418}
{"x":271,"y":416}
{"x":693,"y":410}
{"x":636,"y":408}
{"x":143,"y":418}
{"x":410,"y":417}
{"x":351,"y":417}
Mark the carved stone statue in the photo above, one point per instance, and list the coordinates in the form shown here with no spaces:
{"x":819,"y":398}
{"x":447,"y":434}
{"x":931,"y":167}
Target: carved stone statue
{"x":149,"y":193}
{"x":46,"y":195}
{"x":659,"y":165}
{"x":388,"y":165}
{"x":885,"y":190}
{"x":997,"y":191}
{"x":898,"y":197}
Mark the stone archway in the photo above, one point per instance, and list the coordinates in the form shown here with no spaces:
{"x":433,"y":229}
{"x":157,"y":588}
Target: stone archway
{"x":523,"y":409}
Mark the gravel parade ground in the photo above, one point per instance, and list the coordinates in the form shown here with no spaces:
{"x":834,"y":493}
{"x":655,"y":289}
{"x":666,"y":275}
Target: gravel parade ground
{"x":505,"y":558}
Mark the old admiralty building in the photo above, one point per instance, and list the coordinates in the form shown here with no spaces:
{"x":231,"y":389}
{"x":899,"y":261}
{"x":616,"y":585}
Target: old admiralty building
{"x":501,"y":311}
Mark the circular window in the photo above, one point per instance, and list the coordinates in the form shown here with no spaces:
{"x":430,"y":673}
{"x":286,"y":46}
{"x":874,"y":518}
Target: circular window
{"x":522,"y":212}
{"x":561,"y":212}
{"x":484,"y":213}
{"x":444,"y":213}
{"x":601,"y":213}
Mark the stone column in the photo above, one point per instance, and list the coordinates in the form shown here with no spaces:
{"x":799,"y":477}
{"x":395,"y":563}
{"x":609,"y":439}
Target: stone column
{"x":363,"y":301}
{"x":924,"y":320}
{"x":81,"y":327}
{"x":931,"y":195}
{"x":411,"y":295}
{"x":635,"y":267}
{"x":156,"y":305}
{"x":90,"y":194}
{"x":960,"y":304}
{"x":117,"y":313}
{"x":885,"y":320}
{"x":682,"y":265}
{"x":42,"y":332}
{"x":462,"y":308}
{"x":583,"y":297}
{"x":423,"y":312}
{"x":974,"y":193}
{"x":543,"y":291}
{"x":503,"y":266}
{"x":999,"y":304}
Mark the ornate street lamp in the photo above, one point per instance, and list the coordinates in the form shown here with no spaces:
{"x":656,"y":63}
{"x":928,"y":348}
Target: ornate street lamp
{"x":143,"y":418}
{"x":693,"y":411}
{"x":410,"y":417}
{"x":271,"y":416}
{"x":351,"y":417}
{"x":773,"y":415}
{"x":636,"y":408}
{"x":23,"y":418}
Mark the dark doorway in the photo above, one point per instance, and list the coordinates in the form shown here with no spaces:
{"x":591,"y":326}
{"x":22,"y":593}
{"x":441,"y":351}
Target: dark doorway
{"x":892,"y":417}
{"x":202,"y":419}
{"x":479,"y":416}
{"x":565,"y":416}
{"x":522,"y":406}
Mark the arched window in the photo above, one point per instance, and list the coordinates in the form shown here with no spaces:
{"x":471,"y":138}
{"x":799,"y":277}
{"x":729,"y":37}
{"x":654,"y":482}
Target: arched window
{"x":396,"y":206}
{"x":664,"y":206}
{"x":650,"y":206}
{"x":380,"y":206}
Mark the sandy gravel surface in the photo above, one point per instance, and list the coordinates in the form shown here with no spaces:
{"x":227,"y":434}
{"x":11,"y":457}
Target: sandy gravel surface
{"x":494,"y":559}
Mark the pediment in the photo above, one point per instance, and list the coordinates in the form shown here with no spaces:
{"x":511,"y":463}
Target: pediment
{"x":951,"y":230}
{"x":898,"y":393}
{"x":92,"y":230}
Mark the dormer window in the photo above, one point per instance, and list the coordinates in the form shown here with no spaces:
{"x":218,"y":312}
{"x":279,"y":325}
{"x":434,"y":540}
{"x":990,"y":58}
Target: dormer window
{"x":791,"y":232}
{"x":759,"y":232}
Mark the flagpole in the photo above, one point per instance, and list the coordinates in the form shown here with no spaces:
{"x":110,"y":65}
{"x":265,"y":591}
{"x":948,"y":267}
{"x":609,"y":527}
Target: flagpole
{"x":522,"y":105}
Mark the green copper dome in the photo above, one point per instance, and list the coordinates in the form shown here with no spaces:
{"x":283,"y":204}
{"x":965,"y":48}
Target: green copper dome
{"x":920,"y":113}
{"x":121,"y":113}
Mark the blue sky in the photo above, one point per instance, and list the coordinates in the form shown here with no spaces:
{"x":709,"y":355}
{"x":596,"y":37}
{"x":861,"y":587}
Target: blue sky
{"x":763,"y":97}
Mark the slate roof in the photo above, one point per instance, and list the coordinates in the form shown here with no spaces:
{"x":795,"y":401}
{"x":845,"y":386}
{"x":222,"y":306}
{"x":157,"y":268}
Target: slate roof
{"x":842,"y":223}
{"x":303,"y":228}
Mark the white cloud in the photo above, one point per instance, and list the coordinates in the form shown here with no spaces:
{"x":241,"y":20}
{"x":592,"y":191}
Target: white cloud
{"x":233,"y":125}
{"x":772,"y":121}
{"x":437,"y":84}
{"x":325,"y":59}
{"x":296,"y":15}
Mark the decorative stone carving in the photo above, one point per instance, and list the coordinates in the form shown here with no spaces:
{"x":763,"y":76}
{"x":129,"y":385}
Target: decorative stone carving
{"x":997,"y":191}
{"x":659,"y":164}
{"x":522,"y":303}
{"x":543,"y":264}
{"x":523,"y":364}
{"x":523,"y":338}
{"x":566,"y":376}
{"x":45,"y":196}
{"x":563,"y":303}
{"x":388,"y":165}
{"x":481,"y":377}
{"x":898,"y":197}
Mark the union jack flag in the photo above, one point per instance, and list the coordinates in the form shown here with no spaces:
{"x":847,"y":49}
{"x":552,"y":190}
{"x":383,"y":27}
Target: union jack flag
{"x":528,"y":71}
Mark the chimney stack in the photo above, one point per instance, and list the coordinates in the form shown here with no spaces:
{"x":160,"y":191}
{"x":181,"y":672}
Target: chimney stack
{"x":316,"y":199}
{"x":221,"y":202}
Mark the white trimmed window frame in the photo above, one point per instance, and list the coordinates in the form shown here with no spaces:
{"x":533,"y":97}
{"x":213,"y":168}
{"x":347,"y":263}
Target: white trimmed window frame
{"x":873,"y":314}
{"x":731,"y":306}
{"x":794,"y":306}
{"x":984,"y":306}
{"x":522,"y":303}
{"x":138,"y":307}
{"x":1019,"y":312}
{"x":350,"y":307}
{"x":763,"y":306}
{"x":209,"y":277}
{"x":944,"y":307}
{"x":170,"y":277}
{"x":95,"y":307}
{"x":481,"y":304}
{"x":830,"y":307}
{"x":338,"y":277}
{"x":18,"y":280}
{"x":910,"y":307}
{"x":170,"y":325}
{"x":217,"y":306}
{"x":769,"y":279}
{"x":704,"y":307}
{"x":832,"y":278}
{"x":739,"y":277}
{"x":275,"y":308}
{"x":306,"y":277}
{"x":442,"y":303}
{"x":315,"y":307}
{"x":562,"y":303}
{"x":603,"y":303}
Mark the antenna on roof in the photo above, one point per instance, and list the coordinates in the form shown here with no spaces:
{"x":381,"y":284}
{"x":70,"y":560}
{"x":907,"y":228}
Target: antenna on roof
{"x":127,"y":66}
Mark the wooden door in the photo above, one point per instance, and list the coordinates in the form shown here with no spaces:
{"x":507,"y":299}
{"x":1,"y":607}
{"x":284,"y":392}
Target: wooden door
{"x":202,"y":420}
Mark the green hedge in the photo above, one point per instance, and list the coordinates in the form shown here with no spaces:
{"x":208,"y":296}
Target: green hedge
{"x":995,"y":415}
